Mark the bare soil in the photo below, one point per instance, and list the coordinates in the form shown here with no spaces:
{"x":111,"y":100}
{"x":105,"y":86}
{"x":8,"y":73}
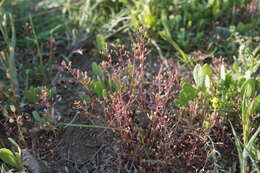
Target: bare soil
{"x":79,"y":149}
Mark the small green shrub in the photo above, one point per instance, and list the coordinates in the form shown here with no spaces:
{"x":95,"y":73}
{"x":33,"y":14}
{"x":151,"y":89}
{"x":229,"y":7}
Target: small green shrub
{"x":13,"y":159}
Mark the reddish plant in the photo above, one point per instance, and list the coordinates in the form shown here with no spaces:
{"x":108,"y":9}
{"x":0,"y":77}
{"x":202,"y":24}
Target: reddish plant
{"x":143,"y":114}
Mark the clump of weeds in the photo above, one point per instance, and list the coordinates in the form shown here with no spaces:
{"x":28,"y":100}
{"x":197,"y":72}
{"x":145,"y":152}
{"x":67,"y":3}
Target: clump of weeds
{"x":138,"y":102}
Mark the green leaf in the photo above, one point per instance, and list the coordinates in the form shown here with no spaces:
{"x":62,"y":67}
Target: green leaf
{"x":228,"y":80}
{"x":198,"y":76}
{"x":134,"y":19}
{"x":187,"y":93}
{"x":211,"y":3}
{"x":249,"y":147}
{"x":101,"y":43}
{"x":9,"y":157}
{"x":98,"y":88}
{"x":104,"y":93}
{"x":32,"y":95}
{"x":148,"y":17}
{"x":207,"y":82}
{"x":252,"y":140}
{"x":257,"y":105}
{"x":36,"y":116}
{"x":18,"y":155}
{"x":51,"y":92}
{"x":97,"y":71}
{"x":222,"y":72}
{"x":216,"y":10}
{"x":238,"y":145}
{"x":248,"y":88}
{"x":111,"y":85}
{"x":129,"y":69}
{"x":207,"y":70}
{"x":164,"y":35}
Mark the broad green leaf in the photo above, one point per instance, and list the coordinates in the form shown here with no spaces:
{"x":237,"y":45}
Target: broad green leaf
{"x":134,"y":19}
{"x":211,"y":3}
{"x":216,"y":9}
{"x":19,"y":153}
{"x":207,"y":82}
{"x":101,"y":43}
{"x":207,"y":70}
{"x":198,"y":76}
{"x":228,"y":80}
{"x":222,"y":72}
{"x":187,"y":93}
{"x":9,"y":157}
{"x":248,"y":88}
{"x":148,"y":17}
{"x":13,"y":142}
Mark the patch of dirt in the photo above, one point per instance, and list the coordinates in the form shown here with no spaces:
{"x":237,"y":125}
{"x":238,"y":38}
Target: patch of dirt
{"x":84,"y":150}
{"x":76,"y":149}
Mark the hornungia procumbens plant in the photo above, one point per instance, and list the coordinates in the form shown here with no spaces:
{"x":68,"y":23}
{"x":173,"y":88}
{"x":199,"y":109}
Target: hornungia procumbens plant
{"x":138,"y":103}
{"x":165,"y":122}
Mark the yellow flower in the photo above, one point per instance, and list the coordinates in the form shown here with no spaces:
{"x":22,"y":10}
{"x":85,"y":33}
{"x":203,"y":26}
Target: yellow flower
{"x":215,"y":102}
